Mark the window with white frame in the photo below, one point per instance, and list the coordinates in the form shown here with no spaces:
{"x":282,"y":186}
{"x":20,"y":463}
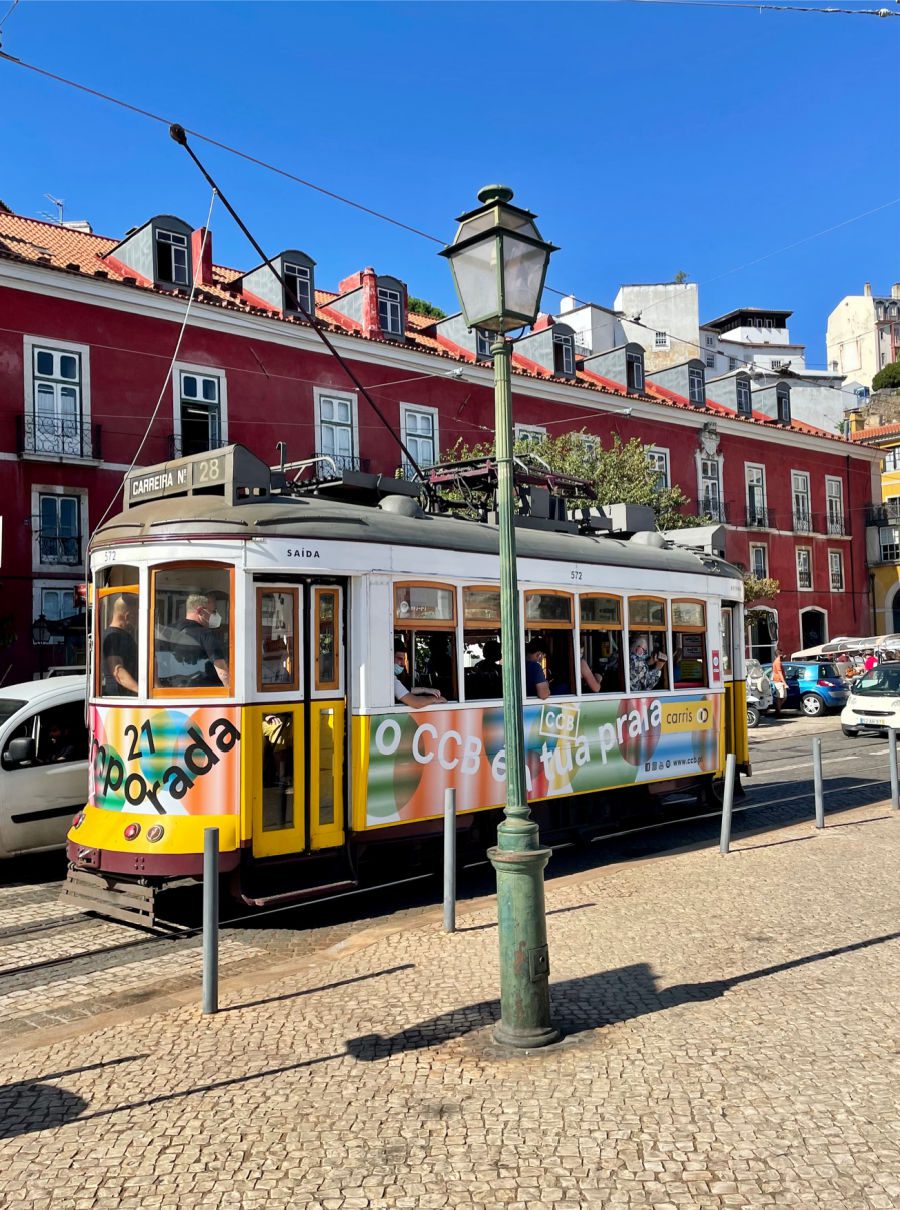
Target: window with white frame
{"x":563,"y":353}
{"x":711,"y":340}
{"x":804,"y":567}
{"x":759,"y":560}
{"x":390,"y":311}
{"x":783,"y":406}
{"x":298,"y":288}
{"x":891,"y":460}
{"x":199,"y":404}
{"x":420,"y":433}
{"x":55,"y":424}
{"x":710,"y":361}
{"x":336,"y":432}
{"x":711,"y":489}
{"x":800,"y":496}
{"x":756,"y":495}
{"x":696,"y":386}
{"x":834,"y":505}
{"x":172,"y":258}
{"x":634,"y":371}
{"x":777,"y":363}
{"x":889,"y":540}
{"x":659,"y":462}
{"x":483,"y":342}
{"x":530,"y":433}
{"x":59,"y":529}
{"x":732,"y":363}
{"x":661,"y":340}
{"x":744,"y":406}
{"x":56,"y":603}
{"x":836,"y":570}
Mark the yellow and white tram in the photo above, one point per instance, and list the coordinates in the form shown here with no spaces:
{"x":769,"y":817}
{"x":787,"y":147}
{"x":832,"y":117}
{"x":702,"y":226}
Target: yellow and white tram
{"x":243,"y":676}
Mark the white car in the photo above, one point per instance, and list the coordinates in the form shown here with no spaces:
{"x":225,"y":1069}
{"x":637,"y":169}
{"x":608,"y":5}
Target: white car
{"x":874,"y":701}
{"x":43,"y":762}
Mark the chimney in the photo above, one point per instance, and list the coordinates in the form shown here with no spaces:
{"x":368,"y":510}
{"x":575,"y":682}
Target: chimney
{"x":867,"y":290}
{"x":202,"y":266}
{"x":895,"y":290}
{"x":542,"y":321}
{"x":567,"y":304}
{"x":371,"y":325}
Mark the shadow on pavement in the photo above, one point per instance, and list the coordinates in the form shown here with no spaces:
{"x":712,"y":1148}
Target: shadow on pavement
{"x":32,"y":1105}
{"x":492,"y":924}
{"x":588,"y":1003}
{"x":325,"y":987}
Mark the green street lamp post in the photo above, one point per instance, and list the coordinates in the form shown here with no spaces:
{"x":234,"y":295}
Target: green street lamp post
{"x":499,"y":263}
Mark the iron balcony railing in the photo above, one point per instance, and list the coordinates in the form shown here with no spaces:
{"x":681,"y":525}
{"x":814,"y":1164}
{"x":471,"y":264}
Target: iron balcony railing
{"x":66,"y":437}
{"x":834,"y":523}
{"x":882,"y":514}
{"x":803,"y":523}
{"x":715,"y":510}
{"x":758,"y":517}
{"x":332,"y":465}
{"x":56,"y":549}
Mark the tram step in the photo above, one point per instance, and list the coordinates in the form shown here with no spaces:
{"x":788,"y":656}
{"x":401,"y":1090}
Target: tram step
{"x":126,"y":901}
{"x":295,"y":896}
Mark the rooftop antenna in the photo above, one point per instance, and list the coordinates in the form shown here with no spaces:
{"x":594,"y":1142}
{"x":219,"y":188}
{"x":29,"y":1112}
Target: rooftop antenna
{"x":60,"y":205}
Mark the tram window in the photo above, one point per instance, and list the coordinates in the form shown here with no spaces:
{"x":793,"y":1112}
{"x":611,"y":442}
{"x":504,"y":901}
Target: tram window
{"x":425,"y":623}
{"x":277,"y":771}
{"x":481,"y":641}
{"x":192,"y":629}
{"x":689,"y":644}
{"x":276,"y":651}
{"x":726,"y":640}
{"x":648,"y":645}
{"x":327,"y":644}
{"x":118,"y":604}
{"x":548,"y":617}
{"x":601,"y":642}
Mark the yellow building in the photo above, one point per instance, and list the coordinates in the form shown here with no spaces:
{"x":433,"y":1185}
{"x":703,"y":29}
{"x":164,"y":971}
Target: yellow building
{"x":883,"y":521}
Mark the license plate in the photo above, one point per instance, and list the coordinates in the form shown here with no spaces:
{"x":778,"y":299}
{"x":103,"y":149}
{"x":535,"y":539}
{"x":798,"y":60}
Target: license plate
{"x":867,"y":721}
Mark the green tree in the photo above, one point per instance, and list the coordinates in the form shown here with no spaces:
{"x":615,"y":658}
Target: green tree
{"x":420,"y":307}
{"x":680,"y":277}
{"x":621,"y":474}
{"x":887,"y":377}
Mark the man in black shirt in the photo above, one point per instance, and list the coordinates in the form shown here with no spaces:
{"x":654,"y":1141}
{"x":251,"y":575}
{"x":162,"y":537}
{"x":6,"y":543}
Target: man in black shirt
{"x":200,"y":645}
{"x":119,"y":649}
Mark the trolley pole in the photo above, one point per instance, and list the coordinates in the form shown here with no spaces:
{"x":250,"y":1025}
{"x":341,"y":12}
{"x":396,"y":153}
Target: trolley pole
{"x":449,"y":860}
{"x":727,"y":800}
{"x":817,"y":783}
{"x":210,"y":921}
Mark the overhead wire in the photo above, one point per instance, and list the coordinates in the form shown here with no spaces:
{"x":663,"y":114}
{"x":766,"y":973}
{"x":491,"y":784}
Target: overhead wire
{"x":828,"y":10}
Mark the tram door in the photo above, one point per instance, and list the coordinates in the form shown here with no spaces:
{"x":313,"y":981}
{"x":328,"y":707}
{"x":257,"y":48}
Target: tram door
{"x":294,"y":771}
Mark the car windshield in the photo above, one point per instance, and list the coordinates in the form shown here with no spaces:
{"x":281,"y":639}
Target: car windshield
{"x":879,"y":682}
{"x":8,"y":707}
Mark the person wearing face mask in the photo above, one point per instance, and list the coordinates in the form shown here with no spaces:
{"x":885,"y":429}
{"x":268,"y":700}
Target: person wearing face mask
{"x":410,"y":697}
{"x":201,"y":643}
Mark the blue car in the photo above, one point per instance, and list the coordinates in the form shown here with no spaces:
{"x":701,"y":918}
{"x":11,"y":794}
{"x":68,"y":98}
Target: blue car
{"x":814,"y":686}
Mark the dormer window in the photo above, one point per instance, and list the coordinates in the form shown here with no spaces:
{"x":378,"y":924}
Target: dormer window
{"x":743,"y":398}
{"x":172,"y":258}
{"x":390,"y":311}
{"x":483,"y":342}
{"x":634,"y":371}
{"x":696,"y":388}
{"x":783,"y":401}
{"x":297,"y":289}
{"x":563,"y":354}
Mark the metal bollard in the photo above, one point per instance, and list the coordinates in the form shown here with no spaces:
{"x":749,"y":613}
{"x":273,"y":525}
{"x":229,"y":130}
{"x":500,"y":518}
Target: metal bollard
{"x":449,"y":861}
{"x":727,"y":800}
{"x":817,"y":782}
{"x":210,"y":921}
{"x":892,"y":761}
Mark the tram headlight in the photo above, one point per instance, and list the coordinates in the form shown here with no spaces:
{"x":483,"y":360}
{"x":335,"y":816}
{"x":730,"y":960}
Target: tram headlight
{"x":155,"y":833}
{"x":133,"y":831}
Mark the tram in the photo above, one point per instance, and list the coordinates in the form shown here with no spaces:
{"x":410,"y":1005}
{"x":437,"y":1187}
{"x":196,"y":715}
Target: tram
{"x":253,"y":639}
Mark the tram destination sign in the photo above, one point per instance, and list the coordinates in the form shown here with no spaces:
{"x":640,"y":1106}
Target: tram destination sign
{"x":232,"y":472}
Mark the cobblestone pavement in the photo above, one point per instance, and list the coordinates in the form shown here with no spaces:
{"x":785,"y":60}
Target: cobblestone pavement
{"x":730,"y":1041}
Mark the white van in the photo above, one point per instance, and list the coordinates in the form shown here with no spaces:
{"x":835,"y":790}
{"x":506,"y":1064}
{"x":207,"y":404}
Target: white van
{"x":43,"y":762}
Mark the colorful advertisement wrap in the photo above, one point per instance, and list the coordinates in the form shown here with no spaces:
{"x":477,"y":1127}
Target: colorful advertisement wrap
{"x":167,"y":761}
{"x":570,"y":748}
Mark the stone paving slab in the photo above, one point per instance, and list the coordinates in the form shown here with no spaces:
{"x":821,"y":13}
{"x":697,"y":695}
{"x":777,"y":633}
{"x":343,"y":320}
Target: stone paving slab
{"x":731,"y":1041}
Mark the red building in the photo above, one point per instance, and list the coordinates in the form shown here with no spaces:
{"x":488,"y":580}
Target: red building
{"x":87,"y":337}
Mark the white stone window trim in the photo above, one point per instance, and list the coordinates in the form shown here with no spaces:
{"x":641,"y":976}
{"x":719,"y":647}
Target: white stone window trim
{"x":808,"y":493}
{"x":62,"y":584}
{"x":823,"y":614}
{"x":525,"y":432}
{"x":407,"y":409}
{"x":184,"y":367}
{"x":755,"y":546}
{"x":700,"y":457}
{"x":755,"y":466}
{"x":807,"y":550}
{"x":30,"y":345}
{"x":660,"y":452}
{"x":836,"y":562}
{"x":56,"y":489}
{"x":660,"y":339}
{"x":320,"y":393}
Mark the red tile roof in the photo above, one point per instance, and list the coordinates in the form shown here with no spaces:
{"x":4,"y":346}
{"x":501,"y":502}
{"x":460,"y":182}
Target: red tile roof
{"x":62,"y":248}
{"x":882,"y":430}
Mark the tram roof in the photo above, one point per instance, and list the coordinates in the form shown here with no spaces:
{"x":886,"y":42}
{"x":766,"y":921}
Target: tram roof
{"x":312,"y":517}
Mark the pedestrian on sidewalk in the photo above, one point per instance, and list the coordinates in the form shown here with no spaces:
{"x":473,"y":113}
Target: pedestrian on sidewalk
{"x":779,"y":682}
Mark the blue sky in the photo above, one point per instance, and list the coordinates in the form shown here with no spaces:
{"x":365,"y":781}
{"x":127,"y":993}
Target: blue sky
{"x":649,"y":139}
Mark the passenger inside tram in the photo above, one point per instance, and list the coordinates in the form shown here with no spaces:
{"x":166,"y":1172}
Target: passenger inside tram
{"x":405,"y":693}
{"x":119,"y":649}
{"x":191,"y":628}
{"x":485,"y":679}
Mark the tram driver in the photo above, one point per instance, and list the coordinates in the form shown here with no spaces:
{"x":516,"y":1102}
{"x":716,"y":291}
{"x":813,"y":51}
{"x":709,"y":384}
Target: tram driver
{"x":200,"y":644}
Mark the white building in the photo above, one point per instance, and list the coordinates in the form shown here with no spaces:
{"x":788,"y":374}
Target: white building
{"x":863,"y":334}
{"x":664,"y":317}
